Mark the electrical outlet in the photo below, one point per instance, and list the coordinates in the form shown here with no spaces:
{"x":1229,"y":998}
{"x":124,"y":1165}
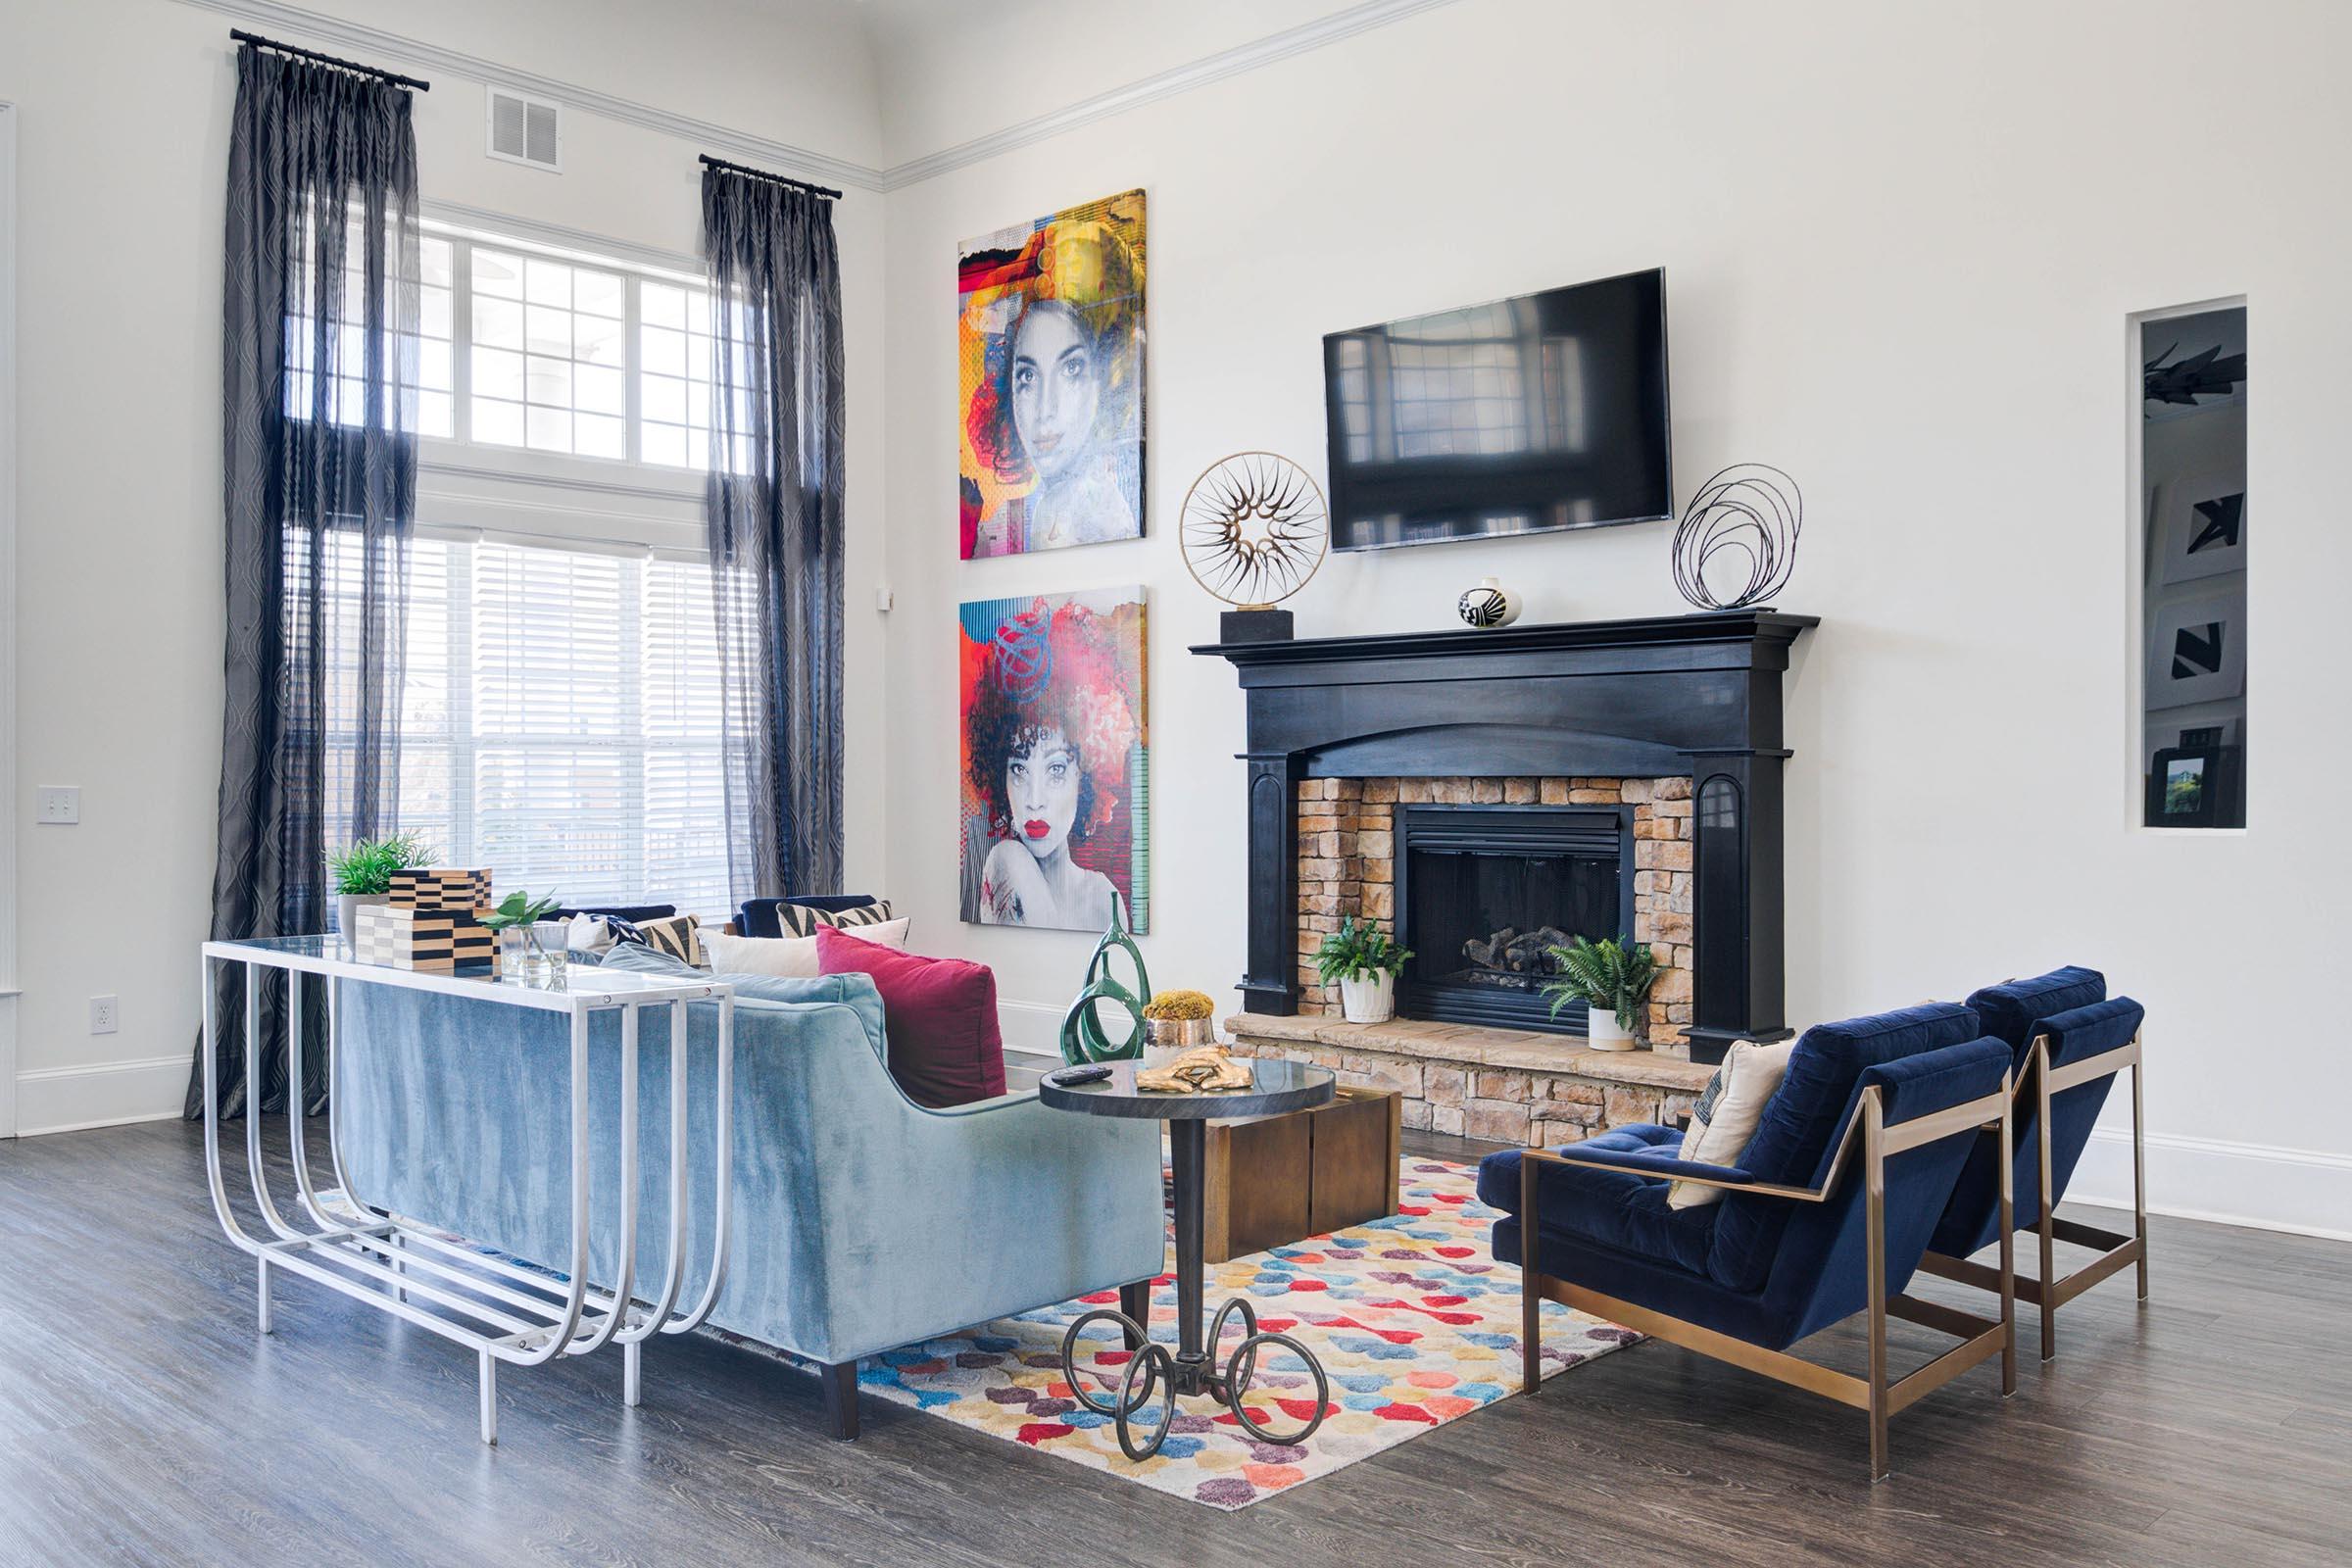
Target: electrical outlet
{"x":60,"y":805}
{"x":102,"y":1015}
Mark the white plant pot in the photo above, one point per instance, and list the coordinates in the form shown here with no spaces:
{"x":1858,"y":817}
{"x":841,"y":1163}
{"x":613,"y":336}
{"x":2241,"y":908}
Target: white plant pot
{"x":1368,"y":998}
{"x":347,"y":911}
{"x":1602,"y":1032}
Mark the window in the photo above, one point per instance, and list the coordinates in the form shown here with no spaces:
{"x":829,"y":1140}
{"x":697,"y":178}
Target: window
{"x":560,"y":722}
{"x":2191,"y":372}
{"x":560,"y":707}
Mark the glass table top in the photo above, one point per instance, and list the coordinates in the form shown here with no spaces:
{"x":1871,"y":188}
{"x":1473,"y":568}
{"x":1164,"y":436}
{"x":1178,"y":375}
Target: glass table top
{"x":579,"y":985}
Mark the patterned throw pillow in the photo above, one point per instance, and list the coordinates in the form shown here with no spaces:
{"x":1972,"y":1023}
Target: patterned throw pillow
{"x":801,"y":920}
{"x":675,"y":936}
{"x":1726,"y":1115}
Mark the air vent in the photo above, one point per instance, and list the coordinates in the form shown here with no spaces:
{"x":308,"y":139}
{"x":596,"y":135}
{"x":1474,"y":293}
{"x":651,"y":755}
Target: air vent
{"x":525,"y":130}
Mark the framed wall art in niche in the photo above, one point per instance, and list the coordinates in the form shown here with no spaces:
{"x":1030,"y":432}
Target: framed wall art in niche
{"x":1055,"y":806}
{"x":2200,"y":527}
{"x":2197,"y":651}
{"x":1049,"y":381}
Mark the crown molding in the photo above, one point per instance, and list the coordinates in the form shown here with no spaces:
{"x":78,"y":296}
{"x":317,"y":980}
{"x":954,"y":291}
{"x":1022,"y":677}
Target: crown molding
{"x":376,"y":42}
{"x":309,"y":27}
{"x":1169,"y":83}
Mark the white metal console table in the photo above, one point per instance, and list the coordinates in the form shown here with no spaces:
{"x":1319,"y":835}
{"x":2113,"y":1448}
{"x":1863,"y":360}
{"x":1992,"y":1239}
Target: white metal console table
{"x":500,"y":1309}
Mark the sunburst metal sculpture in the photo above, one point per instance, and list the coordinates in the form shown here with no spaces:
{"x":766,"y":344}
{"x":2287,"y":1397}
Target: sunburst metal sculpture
{"x":1254,"y":529}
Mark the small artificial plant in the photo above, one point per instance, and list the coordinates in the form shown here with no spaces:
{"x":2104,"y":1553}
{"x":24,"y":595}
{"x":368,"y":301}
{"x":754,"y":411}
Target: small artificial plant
{"x":1613,"y":975}
{"x":1358,"y":950}
{"x":520,"y":909}
{"x":365,"y":868}
{"x":1180,"y":1006}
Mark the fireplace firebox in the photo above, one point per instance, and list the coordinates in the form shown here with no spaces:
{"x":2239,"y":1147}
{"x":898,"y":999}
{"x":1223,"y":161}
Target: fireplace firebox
{"x":1485,"y":893}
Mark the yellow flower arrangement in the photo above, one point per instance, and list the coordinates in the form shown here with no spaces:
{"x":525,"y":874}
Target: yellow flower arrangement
{"x":1179,"y":1005}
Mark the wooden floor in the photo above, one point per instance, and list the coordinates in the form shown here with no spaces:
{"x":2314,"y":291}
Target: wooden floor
{"x":142,"y":1420}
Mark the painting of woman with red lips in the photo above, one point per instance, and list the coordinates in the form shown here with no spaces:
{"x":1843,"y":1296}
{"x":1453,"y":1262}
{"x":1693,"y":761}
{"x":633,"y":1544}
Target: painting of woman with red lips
{"x":1054,"y":749}
{"x":1049,"y":341}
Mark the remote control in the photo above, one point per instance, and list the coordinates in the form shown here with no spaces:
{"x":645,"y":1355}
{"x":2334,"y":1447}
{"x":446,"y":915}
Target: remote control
{"x":1069,"y":1076}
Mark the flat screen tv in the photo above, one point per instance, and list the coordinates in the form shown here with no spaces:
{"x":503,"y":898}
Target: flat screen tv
{"x":1521,"y":416}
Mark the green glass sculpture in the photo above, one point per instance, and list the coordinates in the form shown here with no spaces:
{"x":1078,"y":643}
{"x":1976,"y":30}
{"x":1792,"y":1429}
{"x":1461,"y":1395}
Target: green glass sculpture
{"x":1082,"y":1037}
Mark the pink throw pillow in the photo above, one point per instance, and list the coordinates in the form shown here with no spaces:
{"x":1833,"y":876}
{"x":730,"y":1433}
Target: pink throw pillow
{"x":939,"y":1015}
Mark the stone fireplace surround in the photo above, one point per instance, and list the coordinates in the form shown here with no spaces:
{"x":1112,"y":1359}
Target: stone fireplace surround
{"x":1675,"y":718}
{"x":1346,"y":867}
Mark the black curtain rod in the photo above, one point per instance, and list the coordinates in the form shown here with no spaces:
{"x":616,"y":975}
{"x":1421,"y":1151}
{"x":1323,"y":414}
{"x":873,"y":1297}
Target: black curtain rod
{"x":781,"y":180}
{"x":393,"y":76}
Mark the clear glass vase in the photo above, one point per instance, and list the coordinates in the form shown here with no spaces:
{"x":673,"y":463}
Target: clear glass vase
{"x":530,"y":957}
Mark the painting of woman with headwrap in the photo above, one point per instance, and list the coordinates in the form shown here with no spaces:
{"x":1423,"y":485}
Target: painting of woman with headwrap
{"x":1050,"y":336}
{"x":1054,"y":813}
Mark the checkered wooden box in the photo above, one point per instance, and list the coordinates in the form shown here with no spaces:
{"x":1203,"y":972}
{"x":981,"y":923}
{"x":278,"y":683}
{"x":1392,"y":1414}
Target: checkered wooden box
{"x":445,"y":940}
{"x":440,"y":889}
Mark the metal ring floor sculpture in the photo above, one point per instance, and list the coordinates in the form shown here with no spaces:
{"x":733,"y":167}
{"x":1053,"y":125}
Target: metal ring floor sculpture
{"x":1254,"y":530}
{"x":1082,"y":1039}
{"x":1751,"y":508}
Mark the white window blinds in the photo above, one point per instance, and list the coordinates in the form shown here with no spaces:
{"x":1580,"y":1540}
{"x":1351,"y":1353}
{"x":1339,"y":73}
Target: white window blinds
{"x":560,"y":722}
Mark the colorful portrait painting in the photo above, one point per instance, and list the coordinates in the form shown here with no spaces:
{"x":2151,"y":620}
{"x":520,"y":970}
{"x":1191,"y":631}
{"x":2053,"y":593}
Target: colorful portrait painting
{"x":1049,"y":342}
{"x":1055,"y":783}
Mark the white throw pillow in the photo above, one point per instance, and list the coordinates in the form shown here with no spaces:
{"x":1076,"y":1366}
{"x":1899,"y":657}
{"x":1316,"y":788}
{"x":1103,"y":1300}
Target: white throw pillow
{"x":587,"y":934}
{"x":787,"y":958}
{"x":1726,"y":1117}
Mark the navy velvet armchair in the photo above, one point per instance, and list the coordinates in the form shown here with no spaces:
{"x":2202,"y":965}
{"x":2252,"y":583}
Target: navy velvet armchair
{"x":2068,"y":1040}
{"x":1827,"y":1215}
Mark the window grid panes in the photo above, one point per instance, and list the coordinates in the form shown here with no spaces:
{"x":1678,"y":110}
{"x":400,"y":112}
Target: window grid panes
{"x":547,"y":354}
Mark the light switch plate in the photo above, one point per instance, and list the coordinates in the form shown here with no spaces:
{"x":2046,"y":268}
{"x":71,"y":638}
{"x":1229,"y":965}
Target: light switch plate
{"x":60,"y":805}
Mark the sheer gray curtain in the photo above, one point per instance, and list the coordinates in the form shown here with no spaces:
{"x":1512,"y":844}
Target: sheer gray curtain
{"x":773,"y":515}
{"x":319,"y":319}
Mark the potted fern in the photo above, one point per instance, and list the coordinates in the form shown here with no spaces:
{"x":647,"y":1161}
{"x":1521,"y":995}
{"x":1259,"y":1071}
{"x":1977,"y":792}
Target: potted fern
{"x":1612,"y":978}
{"x":1363,"y":961}
{"x":362,"y":874}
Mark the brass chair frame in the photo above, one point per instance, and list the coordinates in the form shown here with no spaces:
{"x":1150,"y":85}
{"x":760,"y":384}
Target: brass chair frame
{"x":2052,"y":1291}
{"x":1876,"y":1395}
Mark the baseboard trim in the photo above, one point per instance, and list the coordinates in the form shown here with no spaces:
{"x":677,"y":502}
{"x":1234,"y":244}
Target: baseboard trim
{"x":112,"y":1094}
{"x":2304,"y":1192}
{"x":1032,"y":1028}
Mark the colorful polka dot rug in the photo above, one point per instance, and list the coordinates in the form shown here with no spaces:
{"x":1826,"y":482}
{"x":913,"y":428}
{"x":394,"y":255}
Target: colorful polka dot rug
{"x":1414,"y":1321}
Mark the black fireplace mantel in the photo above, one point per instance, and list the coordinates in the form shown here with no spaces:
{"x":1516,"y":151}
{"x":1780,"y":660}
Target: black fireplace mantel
{"x":1697,"y":696}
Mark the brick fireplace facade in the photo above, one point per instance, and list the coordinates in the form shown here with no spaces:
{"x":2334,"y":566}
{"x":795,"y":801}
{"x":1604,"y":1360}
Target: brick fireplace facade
{"x":1348,"y":844}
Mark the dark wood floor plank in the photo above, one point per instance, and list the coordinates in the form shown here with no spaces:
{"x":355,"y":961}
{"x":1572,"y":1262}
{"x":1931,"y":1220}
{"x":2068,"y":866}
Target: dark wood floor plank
{"x":142,"y":1420}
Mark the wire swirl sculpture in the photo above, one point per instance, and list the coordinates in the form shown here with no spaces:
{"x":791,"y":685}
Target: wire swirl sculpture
{"x":1254,"y":530}
{"x":1751,"y":508}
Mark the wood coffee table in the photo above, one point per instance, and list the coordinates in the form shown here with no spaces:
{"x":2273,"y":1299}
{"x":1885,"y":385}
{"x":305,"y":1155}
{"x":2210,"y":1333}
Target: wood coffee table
{"x":1273,"y":1180}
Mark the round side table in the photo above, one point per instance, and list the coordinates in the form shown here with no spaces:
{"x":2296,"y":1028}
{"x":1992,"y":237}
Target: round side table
{"x":1276,"y":1088}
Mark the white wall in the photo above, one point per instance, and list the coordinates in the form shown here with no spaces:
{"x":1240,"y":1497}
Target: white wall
{"x":125,"y":109}
{"x":1902,"y":242}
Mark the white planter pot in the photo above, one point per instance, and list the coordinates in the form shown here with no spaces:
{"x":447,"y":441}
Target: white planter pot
{"x":1368,"y":998}
{"x":347,"y":911}
{"x":1601,"y":1032}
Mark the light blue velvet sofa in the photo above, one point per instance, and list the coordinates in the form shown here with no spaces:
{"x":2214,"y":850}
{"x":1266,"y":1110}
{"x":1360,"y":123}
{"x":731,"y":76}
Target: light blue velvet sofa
{"x":862,"y":1222}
